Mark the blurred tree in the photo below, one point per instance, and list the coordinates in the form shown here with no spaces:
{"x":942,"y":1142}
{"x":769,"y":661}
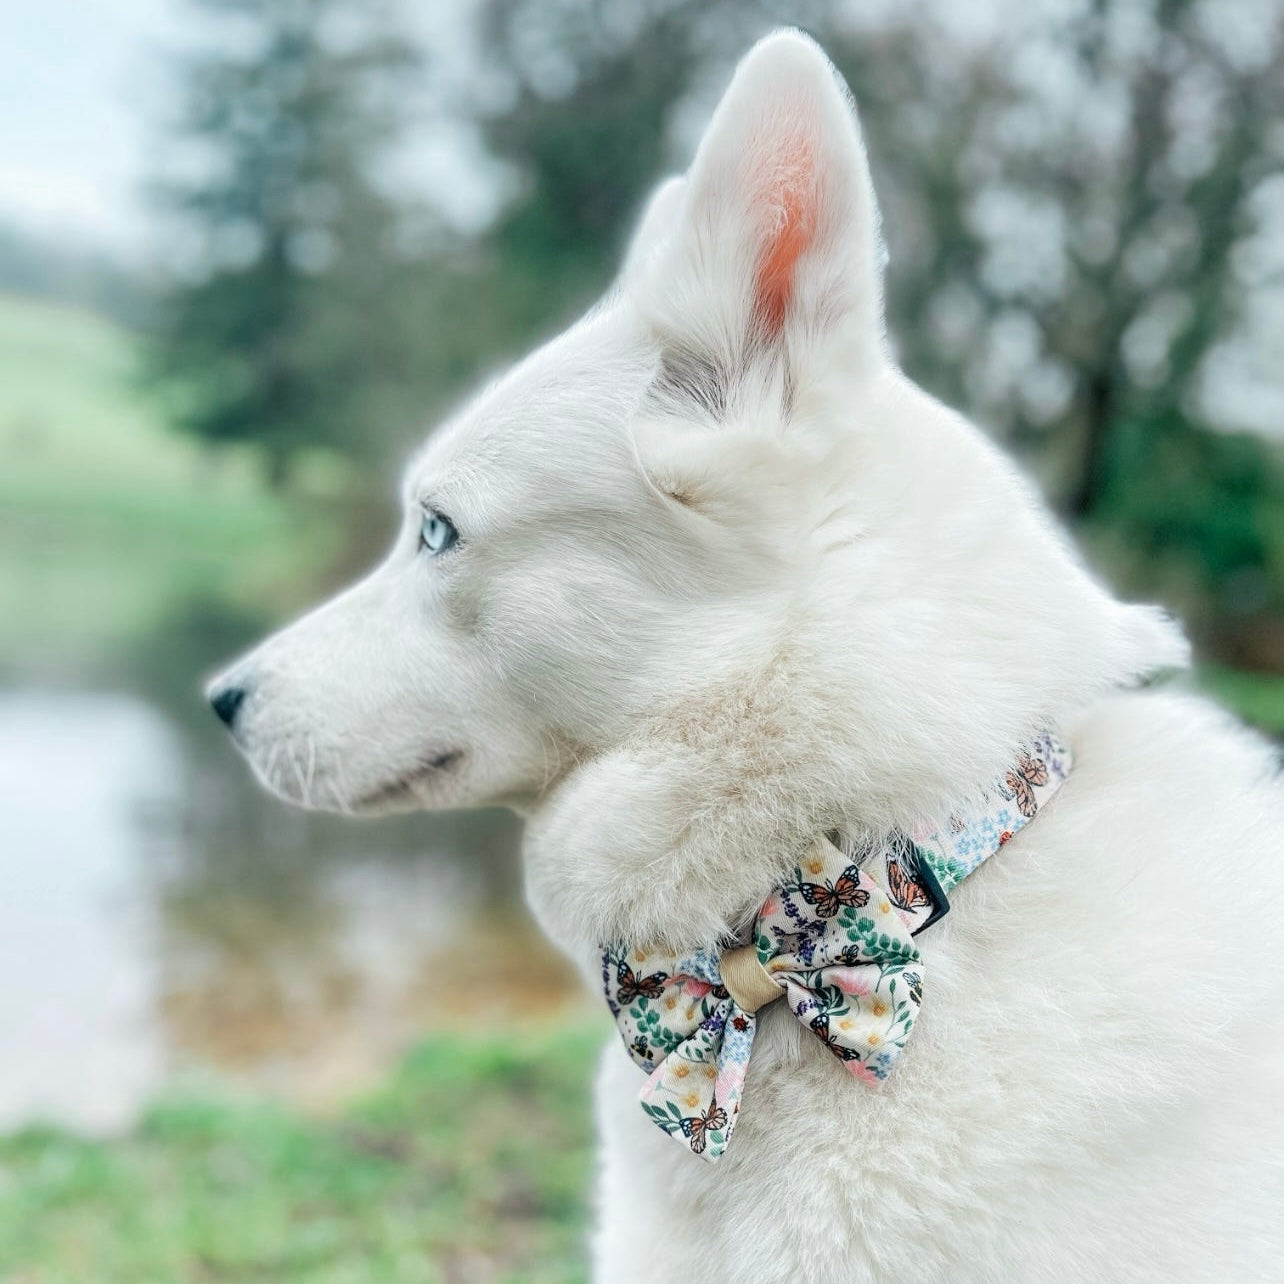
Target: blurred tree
{"x":574,"y":104}
{"x":286,"y":335}
{"x":589,"y":93}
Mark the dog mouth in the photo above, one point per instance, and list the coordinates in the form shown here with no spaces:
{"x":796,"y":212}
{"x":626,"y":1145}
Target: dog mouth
{"x":293,"y":774}
{"x":405,"y":787}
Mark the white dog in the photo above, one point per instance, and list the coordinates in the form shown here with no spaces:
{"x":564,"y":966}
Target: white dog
{"x":705,"y":578}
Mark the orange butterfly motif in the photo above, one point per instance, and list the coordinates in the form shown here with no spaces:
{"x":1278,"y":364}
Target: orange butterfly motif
{"x":829,"y":898}
{"x":1018,"y":784}
{"x":631,"y":986}
{"x":697,"y":1127}
{"x":905,"y":889}
{"x":820,"y":1024}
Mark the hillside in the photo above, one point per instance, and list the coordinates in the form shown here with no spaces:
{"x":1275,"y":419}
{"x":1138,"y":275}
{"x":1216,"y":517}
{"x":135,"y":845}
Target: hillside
{"x":108,"y":518}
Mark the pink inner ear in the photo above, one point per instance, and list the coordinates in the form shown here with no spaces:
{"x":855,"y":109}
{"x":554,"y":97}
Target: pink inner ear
{"x":788,"y":190}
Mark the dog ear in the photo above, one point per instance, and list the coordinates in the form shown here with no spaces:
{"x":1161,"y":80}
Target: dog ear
{"x":654,"y":227}
{"x":775,"y":239}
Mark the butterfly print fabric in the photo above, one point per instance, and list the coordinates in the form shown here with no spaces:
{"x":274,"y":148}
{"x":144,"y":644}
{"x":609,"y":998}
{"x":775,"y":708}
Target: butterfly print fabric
{"x":842,"y":957}
{"x":836,"y":943}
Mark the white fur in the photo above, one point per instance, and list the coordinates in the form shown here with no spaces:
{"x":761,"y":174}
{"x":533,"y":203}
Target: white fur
{"x":725,"y":582}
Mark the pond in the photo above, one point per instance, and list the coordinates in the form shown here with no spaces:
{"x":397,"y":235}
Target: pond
{"x":161,"y":919}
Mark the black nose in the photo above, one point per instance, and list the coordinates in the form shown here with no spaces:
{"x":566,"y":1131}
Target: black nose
{"x":226,"y":702}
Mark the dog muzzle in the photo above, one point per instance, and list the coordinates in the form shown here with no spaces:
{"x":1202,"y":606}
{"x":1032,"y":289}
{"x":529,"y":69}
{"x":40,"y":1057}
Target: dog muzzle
{"x":835,"y":941}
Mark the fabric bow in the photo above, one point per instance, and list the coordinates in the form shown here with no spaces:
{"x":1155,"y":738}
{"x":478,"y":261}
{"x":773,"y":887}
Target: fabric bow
{"x":835,"y":940}
{"x":830,"y":940}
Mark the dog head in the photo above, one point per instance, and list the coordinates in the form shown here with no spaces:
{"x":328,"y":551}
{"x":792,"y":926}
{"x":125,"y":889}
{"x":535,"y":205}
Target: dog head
{"x":711,"y":529}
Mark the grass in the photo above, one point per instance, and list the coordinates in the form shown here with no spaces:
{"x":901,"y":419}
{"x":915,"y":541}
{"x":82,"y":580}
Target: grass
{"x":107,"y":518}
{"x":470,"y":1164}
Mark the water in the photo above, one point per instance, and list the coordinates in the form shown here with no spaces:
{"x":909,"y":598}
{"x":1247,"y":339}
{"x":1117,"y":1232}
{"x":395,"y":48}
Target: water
{"x":160,"y":918}
{"x":72,"y":937}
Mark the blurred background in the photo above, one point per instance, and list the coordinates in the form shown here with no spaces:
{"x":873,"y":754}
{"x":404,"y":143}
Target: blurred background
{"x":250,"y":251}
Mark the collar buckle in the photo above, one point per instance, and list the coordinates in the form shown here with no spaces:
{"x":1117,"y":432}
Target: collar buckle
{"x":926,"y":878}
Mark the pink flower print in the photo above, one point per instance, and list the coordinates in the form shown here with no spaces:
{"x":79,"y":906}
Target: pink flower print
{"x":728,"y":1084}
{"x":863,"y":1073}
{"x":851,"y":980}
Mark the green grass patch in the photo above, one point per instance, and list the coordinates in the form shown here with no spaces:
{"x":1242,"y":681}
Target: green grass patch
{"x":471,"y":1163}
{"x":108,"y":518}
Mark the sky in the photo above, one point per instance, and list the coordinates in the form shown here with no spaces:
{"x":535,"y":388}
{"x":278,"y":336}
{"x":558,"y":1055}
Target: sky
{"x":76,"y":81}
{"x":85,"y":86}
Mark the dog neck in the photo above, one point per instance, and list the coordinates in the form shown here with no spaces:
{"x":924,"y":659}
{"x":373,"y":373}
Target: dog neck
{"x":678,"y":847}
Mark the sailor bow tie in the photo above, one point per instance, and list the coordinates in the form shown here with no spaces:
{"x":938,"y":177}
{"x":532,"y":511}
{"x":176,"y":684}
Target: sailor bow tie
{"x":835,"y":940}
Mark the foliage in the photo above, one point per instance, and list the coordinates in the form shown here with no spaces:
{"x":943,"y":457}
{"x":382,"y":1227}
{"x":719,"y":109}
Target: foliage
{"x":1256,"y":697}
{"x":470,"y":1163}
{"x":589,"y":152}
{"x":1200,"y":516}
{"x":287,"y":336}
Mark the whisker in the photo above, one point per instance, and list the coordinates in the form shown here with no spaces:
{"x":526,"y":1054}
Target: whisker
{"x":298,"y":771}
{"x":341,"y":789}
{"x":312,"y":767}
{"x":269,"y":767}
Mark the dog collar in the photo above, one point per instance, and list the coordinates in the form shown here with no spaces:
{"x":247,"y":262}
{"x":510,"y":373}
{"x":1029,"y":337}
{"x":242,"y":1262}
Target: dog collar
{"x":835,"y":941}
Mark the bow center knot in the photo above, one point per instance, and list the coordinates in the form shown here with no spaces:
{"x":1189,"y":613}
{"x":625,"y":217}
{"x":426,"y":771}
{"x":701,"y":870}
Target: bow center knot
{"x":747,"y":981}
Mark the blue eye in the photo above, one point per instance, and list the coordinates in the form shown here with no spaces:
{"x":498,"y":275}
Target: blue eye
{"x":436,"y":533}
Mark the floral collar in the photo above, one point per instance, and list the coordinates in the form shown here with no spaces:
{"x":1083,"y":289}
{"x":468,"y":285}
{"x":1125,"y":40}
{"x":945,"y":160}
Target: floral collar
{"x":835,"y":941}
